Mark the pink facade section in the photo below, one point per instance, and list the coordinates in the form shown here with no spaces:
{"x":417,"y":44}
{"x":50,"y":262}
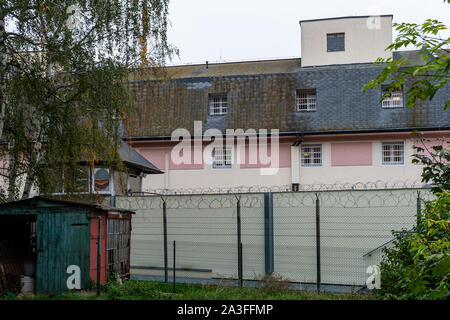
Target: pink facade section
{"x":351,"y":154}
{"x":253,"y":157}
{"x":428,"y":146}
{"x":157,"y":156}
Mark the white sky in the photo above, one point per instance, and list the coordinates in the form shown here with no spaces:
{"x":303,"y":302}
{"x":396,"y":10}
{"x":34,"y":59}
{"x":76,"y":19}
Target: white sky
{"x":236,"y":30}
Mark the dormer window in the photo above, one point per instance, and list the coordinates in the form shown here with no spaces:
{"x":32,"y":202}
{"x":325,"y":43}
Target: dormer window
{"x":335,"y":42}
{"x":393,"y":98}
{"x":306,"y":100}
{"x":218,"y":104}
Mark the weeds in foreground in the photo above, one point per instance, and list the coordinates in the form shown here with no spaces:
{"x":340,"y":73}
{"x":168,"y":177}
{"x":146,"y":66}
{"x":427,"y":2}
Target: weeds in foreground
{"x":146,"y":290}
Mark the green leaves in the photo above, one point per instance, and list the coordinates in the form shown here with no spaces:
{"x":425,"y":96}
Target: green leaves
{"x":418,"y":264}
{"x":67,"y":87}
{"x":436,"y":164}
{"x":426,"y":78}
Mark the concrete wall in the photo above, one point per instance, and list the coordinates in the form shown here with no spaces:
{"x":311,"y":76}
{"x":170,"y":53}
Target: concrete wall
{"x":366,"y":39}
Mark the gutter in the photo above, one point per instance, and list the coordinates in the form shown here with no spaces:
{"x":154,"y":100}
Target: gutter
{"x":305,"y":133}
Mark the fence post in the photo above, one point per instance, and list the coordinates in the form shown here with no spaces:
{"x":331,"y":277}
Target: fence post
{"x":268,"y":233}
{"x":166,"y":266}
{"x":174,"y":266}
{"x":419,"y":207}
{"x":239,"y":241}
{"x":318,"y":241}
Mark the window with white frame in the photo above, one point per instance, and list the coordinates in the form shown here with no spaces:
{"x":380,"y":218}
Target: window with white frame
{"x":393,"y":153}
{"x":393,"y":99}
{"x":222,"y":157}
{"x":306,"y":100}
{"x":311,"y":155}
{"x":218,"y":104}
{"x":102,"y":180}
{"x":79,"y":183}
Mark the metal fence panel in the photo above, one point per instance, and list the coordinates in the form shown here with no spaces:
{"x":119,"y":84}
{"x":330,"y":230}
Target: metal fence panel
{"x":354,"y":226}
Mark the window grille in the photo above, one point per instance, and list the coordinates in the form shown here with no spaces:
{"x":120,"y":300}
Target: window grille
{"x":311,"y":155}
{"x":218,"y":104}
{"x":306,"y":100}
{"x":222,"y":158}
{"x":118,"y":245}
{"x":394,"y":100}
{"x":393,"y":153}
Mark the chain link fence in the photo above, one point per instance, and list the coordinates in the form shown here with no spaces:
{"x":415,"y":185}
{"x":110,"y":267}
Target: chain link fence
{"x":309,"y":237}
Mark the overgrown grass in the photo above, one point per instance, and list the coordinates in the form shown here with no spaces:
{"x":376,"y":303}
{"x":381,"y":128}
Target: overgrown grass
{"x":145,"y":290}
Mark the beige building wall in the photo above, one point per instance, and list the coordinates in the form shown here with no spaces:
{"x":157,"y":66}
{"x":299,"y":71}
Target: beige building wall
{"x":366,"y":39}
{"x":327,"y":174}
{"x":209,"y":178}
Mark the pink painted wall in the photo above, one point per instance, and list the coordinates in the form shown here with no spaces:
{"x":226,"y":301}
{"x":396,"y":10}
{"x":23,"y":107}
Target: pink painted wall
{"x":428,"y":146}
{"x":157,"y":157}
{"x":284,"y":159}
{"x":351,"y":154}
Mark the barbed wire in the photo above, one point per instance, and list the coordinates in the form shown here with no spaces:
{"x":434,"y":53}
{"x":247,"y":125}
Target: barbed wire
{"x":352,"y":198}
{"x":368,"y":185}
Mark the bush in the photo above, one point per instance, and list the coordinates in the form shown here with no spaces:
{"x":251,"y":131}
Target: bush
{"x":418,"y":264}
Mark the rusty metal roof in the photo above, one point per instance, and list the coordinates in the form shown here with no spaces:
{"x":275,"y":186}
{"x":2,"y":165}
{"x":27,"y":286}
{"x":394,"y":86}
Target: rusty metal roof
{"x":34,"y":202}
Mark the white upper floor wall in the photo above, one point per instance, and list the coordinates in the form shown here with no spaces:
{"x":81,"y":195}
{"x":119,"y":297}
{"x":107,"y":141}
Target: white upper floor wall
{"x":345,"y":40}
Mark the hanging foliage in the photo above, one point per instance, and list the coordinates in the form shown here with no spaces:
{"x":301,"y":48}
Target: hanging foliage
{"x":64,"y":68}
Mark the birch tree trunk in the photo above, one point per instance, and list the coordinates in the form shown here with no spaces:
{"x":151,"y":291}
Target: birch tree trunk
{"x":3,"y":66}
{"x":37,"y":150}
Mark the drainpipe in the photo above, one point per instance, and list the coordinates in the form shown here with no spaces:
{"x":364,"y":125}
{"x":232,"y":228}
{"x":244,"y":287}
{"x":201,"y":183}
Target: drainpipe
{"x":166,"y":172}
{"x":295,"y":162}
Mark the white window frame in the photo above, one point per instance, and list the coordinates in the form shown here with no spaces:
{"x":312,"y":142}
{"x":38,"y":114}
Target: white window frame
{"x":311,"y":100}
{"x":312,"y":164}
{"x":128,"y":182}
{"x":394,"y":101}
{"x":218,"y":108}
{"x":63,"y":191}
{"x":227,"y":150}
{"x":111,"y":182}
{"x":391,"y":153}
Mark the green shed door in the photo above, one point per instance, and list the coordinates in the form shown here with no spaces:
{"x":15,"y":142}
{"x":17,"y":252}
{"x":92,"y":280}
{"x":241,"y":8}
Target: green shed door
{"x":62,"y":241}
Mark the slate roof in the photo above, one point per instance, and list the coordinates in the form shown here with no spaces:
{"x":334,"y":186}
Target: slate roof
{"x":133,"y":159}
{"x":261,"y":95}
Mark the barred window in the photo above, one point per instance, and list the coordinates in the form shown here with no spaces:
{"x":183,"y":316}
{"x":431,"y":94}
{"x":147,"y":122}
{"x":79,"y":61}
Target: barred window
{"x":393,"y":153}
{"x":222,"y":158}
{"x":306,"y":100}
{"x":394,"y":98}
{"x":218,"y":104}
{"x":118,"y":245}
{"x":112,"y":244}
{"x":335,"y":42}
{"x":311,"y":155}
